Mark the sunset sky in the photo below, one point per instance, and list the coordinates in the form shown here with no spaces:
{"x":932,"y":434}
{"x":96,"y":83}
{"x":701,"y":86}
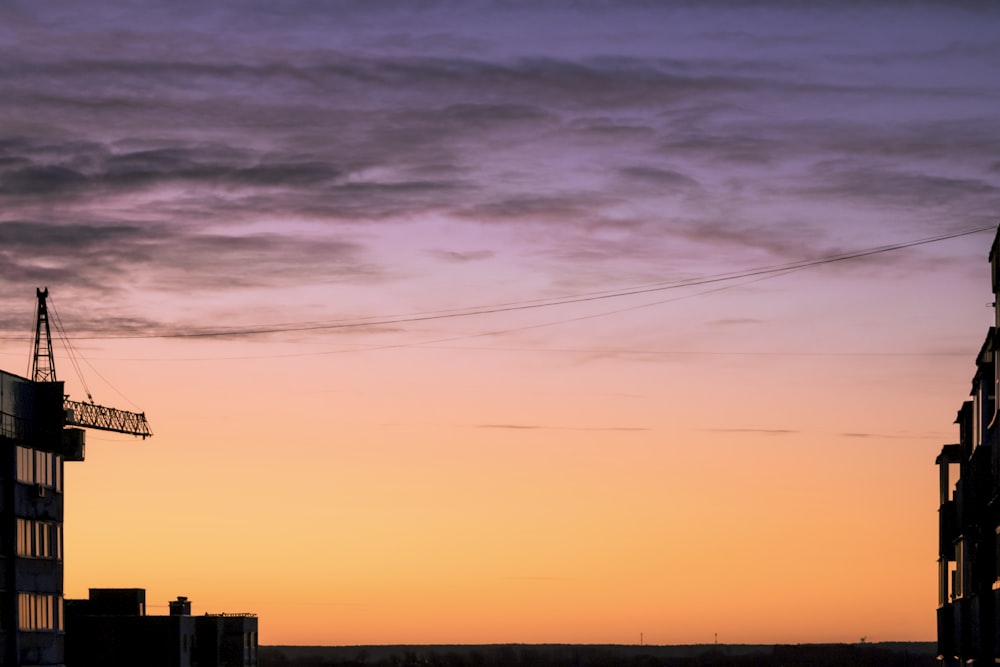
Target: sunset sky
{"x":448,"y":316}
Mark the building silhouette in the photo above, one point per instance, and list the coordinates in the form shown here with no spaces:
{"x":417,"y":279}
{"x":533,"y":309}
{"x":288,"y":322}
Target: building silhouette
{"x":968,"y":631}
{"x":32,"y":451}
{"x":111,"y":629}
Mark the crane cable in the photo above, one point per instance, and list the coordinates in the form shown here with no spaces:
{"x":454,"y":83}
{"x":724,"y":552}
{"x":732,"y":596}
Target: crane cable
{"x":71,"y":351}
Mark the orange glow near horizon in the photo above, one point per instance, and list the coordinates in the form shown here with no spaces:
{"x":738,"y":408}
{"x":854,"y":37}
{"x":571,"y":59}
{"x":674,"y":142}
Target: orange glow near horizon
{"x":435,"y":496}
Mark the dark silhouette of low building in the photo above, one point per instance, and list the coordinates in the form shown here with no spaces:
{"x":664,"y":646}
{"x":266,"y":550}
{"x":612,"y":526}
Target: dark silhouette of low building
{"x":111,"y":629}
{"x":969,"y":515}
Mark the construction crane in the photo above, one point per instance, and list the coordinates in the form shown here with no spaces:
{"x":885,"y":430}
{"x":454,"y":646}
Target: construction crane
{"x":78,"y":413}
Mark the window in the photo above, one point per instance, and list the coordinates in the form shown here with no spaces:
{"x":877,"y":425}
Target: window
{"x":38,"y":467}
{"x":39,"y":539}
{"x":977,"y":418}
{"x":39,"y":612}
{"x":43,"y":468}
{"x":25,"y":466}
{"x":962,"y":576}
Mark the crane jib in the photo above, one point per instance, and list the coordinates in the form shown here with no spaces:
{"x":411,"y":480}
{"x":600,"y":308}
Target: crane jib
{"x":100,"y":417}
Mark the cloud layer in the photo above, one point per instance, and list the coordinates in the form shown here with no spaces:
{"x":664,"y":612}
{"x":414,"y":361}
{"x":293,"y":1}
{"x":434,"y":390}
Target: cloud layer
{"x":163,"y":147}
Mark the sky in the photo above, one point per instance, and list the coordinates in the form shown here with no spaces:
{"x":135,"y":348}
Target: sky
{"x":503,"y":321}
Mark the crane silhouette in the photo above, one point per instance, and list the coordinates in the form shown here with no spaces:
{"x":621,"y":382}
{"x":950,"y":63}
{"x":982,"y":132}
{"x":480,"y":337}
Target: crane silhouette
{"x":79,"y":413}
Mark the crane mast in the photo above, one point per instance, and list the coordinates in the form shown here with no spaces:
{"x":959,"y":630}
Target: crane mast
{"x":43,"y":367}
{"x":88,"y":415}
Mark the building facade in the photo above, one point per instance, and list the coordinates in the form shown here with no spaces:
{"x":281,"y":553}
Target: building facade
{"x":32,"y":449}
{"x":968,"y":631}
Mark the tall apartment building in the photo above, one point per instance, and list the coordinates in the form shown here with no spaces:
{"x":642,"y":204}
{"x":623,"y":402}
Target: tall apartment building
{"x":32,"y":449}
{"x":968,"y":631}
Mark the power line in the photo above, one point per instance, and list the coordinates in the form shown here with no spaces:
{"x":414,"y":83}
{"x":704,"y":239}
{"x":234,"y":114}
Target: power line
{"x":760,"y":272}
{"x":440,"y":343}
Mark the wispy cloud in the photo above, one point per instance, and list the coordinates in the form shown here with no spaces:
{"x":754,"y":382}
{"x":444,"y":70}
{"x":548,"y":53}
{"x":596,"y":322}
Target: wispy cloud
{"x":896,"y":187}
{"x":761,"y":431}
{"x":461,"y":256}
{"x":537,"y":427}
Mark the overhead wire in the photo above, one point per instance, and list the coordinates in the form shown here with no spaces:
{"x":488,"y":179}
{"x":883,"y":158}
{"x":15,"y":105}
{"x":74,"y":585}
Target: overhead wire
{"x":758,"y":275}
{"x":297,"y":327}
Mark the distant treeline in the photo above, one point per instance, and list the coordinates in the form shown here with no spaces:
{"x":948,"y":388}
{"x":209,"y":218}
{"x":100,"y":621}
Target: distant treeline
{"x":801,"y":655}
